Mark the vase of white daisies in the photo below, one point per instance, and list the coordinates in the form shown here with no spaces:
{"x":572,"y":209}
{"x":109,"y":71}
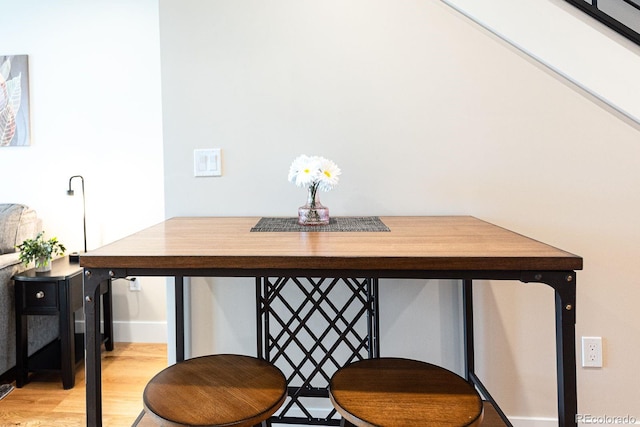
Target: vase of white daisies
{"x":313,"y":173}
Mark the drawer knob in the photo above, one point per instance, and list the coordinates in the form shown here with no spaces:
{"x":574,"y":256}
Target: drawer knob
{"x":40,"y":294}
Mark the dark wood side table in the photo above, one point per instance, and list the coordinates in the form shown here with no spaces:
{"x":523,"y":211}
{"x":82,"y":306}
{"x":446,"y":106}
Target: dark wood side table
{"x":58,"y":291}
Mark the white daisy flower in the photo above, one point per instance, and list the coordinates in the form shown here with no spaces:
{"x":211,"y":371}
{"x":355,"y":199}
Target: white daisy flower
{"x":329,"y":173}
{"x":316,"y":171}
{"x":304,"y":171}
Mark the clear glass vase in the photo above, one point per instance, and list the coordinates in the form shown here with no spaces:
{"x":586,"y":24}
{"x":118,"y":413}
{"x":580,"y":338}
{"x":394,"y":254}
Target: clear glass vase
{"x":313,"y":212}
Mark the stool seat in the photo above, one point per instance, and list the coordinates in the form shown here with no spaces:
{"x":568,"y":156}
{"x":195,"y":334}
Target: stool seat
{"x":403,"y":392}
{"x":215,"y":390}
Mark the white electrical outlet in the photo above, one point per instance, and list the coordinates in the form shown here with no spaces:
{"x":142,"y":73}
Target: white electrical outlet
{"x":592,"y":352}
{"x":134,"y":285}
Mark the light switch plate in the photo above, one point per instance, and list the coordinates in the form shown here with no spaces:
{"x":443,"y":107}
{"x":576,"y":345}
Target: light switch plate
{"x":207,"y":162}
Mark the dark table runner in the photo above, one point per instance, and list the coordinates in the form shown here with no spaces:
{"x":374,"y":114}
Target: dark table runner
{"x":352,"y":223}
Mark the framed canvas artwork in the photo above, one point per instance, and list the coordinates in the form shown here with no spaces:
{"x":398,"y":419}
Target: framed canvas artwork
{"x":14,"y":101}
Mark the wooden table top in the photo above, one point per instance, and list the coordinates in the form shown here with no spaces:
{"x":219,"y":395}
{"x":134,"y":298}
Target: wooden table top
{"x":438,"y":243}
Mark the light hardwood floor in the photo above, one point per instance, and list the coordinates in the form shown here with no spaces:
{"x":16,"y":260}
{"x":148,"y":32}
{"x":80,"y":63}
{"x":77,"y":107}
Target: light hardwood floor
{"x":125,"y":372}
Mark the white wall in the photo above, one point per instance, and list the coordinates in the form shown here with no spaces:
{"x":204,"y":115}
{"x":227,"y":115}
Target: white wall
{"x":605,"y":65}
{"x":426,"y":113}
{"x":95,"y":111}
{"x":570,"y":42}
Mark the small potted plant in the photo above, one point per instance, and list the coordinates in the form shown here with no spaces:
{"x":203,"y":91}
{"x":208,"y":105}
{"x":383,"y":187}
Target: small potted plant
{"x":40,"y":251}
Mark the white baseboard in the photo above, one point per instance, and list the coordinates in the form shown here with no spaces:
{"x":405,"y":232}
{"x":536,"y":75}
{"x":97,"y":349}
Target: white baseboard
{"x":604,"y":421}
{"x":533,"y":421}
{"x":145,"y":332}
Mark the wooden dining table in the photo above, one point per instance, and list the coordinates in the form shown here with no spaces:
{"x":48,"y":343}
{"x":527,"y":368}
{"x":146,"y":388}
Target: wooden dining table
{"x":425,"y":247}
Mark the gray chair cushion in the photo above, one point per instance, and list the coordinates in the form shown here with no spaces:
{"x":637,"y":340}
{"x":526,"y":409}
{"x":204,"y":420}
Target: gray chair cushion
{"x":10,"y":216}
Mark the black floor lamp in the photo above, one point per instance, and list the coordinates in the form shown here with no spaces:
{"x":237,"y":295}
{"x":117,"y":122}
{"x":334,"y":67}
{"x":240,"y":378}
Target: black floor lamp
{"x":74,"y":256}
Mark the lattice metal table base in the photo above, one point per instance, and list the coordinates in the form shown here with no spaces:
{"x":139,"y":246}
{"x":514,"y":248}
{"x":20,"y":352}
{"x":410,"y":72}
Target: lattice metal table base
{"x":309,"y":328}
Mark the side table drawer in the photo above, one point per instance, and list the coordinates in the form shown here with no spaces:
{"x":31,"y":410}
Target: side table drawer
{"x":40,"y":297}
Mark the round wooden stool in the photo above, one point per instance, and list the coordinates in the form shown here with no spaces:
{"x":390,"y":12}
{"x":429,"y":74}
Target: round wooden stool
{"x":216,"y":390}
{"x":402,"y":392}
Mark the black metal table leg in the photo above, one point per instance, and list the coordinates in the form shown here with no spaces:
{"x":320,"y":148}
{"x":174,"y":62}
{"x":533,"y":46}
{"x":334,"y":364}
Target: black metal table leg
{"x":179,"y":305}
{"x":564,"y":284}
{"x":93,"y":342}
{"x":566,"y":355}
{"x":469,"y":352}
{"x":107,"y":314}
